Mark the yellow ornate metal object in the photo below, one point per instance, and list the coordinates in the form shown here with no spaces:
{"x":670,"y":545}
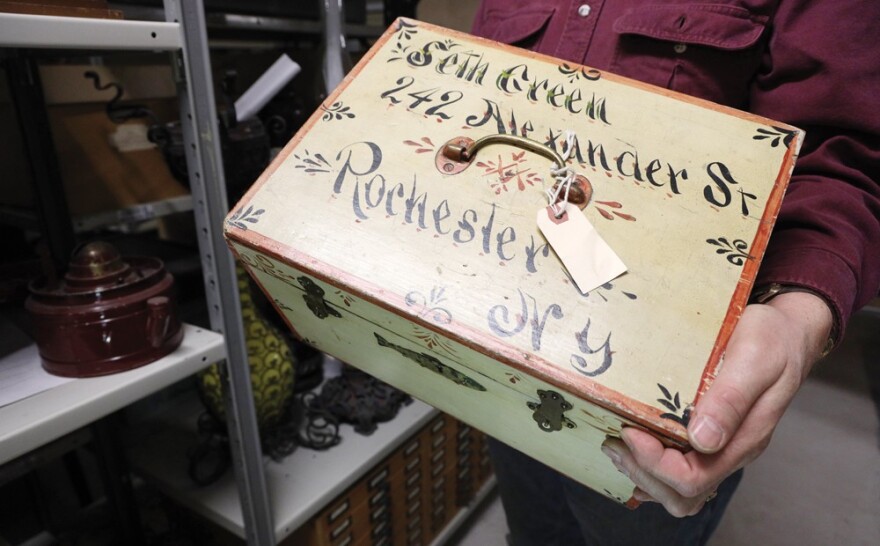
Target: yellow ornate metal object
{"x":270,"y":359}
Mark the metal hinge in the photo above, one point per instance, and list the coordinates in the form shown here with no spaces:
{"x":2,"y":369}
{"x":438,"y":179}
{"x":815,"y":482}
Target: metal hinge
{"x":549,"y":413}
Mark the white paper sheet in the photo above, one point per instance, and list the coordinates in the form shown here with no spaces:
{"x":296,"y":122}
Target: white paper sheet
{"x":22,"y":375}
{"x":266,"y":87}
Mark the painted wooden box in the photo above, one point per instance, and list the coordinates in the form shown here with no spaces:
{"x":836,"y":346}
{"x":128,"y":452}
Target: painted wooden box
{"x":422,"y":263}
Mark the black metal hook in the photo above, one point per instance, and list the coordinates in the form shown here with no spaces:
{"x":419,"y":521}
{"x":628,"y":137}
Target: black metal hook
{"x":115,"y":111}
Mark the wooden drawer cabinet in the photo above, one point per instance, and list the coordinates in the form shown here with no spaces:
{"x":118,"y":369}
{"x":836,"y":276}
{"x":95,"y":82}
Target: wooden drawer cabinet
{"x":409,"y":498}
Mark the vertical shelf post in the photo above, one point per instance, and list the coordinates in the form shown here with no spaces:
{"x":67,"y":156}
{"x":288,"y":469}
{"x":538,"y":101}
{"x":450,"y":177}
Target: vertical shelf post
{"x":204,"y":162}
{"x":51,"y":203}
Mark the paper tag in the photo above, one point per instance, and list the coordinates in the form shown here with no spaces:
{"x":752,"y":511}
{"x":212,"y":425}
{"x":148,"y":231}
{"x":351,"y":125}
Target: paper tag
{"x":587,"y":257}
{"x":131,"y":137}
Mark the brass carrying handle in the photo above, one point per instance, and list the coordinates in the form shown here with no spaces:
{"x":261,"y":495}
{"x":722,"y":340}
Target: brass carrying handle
{"x":459,"y":152}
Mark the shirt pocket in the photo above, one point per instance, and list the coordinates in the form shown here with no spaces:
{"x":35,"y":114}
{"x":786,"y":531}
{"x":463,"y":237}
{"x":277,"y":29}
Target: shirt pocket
{"x":712,"y":51}
{"x":523,"y":27}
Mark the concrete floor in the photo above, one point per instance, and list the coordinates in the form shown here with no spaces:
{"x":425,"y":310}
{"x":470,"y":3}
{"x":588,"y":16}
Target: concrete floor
{"x":819,"y":481}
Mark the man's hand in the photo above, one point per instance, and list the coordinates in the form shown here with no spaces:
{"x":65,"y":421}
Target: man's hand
{"x":768,"y":357}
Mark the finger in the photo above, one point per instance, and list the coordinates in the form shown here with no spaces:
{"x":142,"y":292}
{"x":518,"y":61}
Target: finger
{"x":674,"y":503}
{"x":689,"y":476}
{"x":642,"y":496}
{"x":745,"y":375}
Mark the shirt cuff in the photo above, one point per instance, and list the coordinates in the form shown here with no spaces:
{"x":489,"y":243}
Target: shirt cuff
{"x":818,"y":271}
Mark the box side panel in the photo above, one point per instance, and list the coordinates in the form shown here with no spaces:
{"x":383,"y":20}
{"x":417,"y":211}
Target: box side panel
{"x":501,"y":401}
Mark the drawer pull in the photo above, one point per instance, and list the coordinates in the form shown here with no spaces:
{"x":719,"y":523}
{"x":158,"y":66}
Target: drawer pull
{"x":377,"y":498}
{"x":378,"y":478}
{"x":410,"y":448}
{"x":340,"y":528}
{"x":341,"y":509}
{"x":412,"y":464}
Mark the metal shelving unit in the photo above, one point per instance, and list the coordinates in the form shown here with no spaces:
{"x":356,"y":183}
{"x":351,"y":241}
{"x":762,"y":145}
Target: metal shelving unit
{"x":183,"y":34}
{"x":297,"y":487}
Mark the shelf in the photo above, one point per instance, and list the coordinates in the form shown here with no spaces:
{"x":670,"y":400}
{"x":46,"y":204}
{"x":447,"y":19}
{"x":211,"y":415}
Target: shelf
{"x":43,"y":417}
{"x":19,"y":217}
{"x":47,"y":31}
{"x":261,"y":23}
{"x":133,"y":214}
{"x":299,"y":486}
{"x":283,"y":24}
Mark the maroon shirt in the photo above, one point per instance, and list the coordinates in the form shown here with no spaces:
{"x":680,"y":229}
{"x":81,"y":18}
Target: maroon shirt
{"x":814,"y":64}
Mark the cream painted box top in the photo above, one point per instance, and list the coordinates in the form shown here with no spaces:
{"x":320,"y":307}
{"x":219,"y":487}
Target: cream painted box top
{"x":430,"y":272}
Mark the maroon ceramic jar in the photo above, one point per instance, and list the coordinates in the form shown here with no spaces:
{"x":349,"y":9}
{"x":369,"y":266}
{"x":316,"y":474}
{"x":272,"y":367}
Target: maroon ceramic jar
{"x":109,"y":314}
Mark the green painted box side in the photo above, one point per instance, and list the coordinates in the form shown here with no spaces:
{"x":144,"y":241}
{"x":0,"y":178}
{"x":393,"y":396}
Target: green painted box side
{"x":450,"y":376}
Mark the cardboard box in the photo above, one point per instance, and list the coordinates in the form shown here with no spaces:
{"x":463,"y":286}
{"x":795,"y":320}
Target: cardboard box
{"x":104,"y":165}
{"x":425,"y":267}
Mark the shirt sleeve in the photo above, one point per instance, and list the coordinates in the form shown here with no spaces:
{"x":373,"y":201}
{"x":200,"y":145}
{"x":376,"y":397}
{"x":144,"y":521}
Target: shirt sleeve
{"x":822,"y":74}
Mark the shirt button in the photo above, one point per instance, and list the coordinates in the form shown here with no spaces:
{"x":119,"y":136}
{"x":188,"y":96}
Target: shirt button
{"x":680,"y":48}
{"x":584,"y":10}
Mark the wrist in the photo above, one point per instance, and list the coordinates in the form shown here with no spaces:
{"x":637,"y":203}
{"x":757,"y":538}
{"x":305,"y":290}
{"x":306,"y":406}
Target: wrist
{"x":808,"y":312}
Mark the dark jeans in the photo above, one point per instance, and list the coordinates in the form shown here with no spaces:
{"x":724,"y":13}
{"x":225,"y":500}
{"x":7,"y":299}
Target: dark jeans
{"x":544,"y":508}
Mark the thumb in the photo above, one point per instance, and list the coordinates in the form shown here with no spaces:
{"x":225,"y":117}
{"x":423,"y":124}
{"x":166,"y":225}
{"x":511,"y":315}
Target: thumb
{"x":747,"y":372}
{"x":718,"y":415}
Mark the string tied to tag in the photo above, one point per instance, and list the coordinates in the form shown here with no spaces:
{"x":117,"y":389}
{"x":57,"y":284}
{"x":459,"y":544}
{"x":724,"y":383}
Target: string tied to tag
{"x":564,"y":176}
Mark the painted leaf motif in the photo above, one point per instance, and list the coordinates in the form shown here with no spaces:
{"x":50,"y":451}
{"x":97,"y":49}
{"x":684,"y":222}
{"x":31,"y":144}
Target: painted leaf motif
{"x":605,"y":214}
{"x":673,"y":417}
{"x":665,"y":392}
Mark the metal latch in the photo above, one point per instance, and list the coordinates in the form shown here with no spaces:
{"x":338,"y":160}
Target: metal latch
{"x":549,"y":413}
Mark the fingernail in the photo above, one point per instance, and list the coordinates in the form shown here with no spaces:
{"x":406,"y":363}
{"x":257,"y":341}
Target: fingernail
{"x":706,"y":434}
{"x":612,"y":454}
{"x":641,"y":496}
{"x":615,"y":457}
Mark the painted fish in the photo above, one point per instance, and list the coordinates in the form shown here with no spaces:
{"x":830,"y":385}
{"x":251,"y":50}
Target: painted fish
{"x":431,"y":363}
